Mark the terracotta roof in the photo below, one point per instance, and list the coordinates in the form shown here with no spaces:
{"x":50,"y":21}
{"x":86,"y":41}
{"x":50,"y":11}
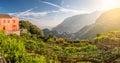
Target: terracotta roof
{"x":5,"y":16}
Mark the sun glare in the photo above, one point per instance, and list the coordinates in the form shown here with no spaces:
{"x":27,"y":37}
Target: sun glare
{"x":108,"y":4}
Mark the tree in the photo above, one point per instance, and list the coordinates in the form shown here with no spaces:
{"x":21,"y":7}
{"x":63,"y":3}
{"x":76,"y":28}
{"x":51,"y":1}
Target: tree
{"x":33,"y":29}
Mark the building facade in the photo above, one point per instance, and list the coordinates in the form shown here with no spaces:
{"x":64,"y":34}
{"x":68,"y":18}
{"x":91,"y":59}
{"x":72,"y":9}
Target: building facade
{"x":9,"y":24}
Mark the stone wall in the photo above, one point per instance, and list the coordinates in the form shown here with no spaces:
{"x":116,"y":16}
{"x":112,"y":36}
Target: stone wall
{"x":12,"y":32}
{"x":23,"y":30}
{"x":2,"y":59}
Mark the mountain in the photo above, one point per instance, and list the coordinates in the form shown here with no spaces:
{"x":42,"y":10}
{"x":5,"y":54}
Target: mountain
{"x":75,"y":23}
{"x":108,"y":21}
{"x":48,"y":32}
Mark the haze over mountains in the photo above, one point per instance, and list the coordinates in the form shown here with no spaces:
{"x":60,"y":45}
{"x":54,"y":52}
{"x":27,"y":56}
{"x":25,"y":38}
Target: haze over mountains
{"x":108,"y":21}
{"x":75,"y":23}
{"x":85,"y":28}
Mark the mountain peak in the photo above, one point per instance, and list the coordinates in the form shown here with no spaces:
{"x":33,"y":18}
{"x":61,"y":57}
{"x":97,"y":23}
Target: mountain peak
{"x":110,"y":16}
{"x":108,"y":21}
{"x":75,"y":23}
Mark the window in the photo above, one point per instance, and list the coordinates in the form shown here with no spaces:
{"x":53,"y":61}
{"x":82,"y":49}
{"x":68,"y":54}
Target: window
{"x":14,"y":27}
{"x":13,"y":21}
{"x":4,"y":21}
{"x":8,"y":21}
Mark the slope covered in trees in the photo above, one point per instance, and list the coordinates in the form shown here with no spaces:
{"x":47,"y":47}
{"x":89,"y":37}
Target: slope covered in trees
{"x":29,"y":48}
{"x":33,"y":29}
{"x":34,"y":47}
{"x":48,"y":32}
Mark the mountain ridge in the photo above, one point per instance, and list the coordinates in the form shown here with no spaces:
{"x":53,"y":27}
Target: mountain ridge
{"x":108,"y":21}
{"x":75,"y":23}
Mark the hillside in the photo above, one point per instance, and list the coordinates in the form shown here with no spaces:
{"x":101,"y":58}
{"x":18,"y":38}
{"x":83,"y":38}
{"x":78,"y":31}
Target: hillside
{"x":29,"y":48}
{"x":75,"y":23}
{"x":56,"y":34}
{"x":33,"y":29}
{"x":108,"y":21}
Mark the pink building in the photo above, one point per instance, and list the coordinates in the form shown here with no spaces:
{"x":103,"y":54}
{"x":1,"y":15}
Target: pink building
{"x":9,"y":24}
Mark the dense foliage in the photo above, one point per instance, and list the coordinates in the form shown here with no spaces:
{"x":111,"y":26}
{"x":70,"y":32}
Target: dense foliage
{"x":29,"y":48}
{"x":33,"y":29}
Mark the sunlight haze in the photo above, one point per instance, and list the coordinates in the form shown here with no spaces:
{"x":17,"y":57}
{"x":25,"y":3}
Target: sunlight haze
{"x":108,"y":4}
{"x":50,"y":13}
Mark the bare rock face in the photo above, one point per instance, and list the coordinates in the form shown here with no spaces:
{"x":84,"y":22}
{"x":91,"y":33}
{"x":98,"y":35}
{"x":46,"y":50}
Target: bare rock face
{"x":2,"y":59}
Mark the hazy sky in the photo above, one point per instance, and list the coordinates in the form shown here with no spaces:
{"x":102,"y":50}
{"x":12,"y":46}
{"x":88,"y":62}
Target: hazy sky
{"x":48,"y":13}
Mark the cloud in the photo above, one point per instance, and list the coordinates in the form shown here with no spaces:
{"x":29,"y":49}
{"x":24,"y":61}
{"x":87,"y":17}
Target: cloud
{"x":73,"y":11}
{"x":29,"y":13}
{"x":44,"y":22}
{"x":35,"y":18}
{"x":65,"y":10}
{"x":51,"y":4}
